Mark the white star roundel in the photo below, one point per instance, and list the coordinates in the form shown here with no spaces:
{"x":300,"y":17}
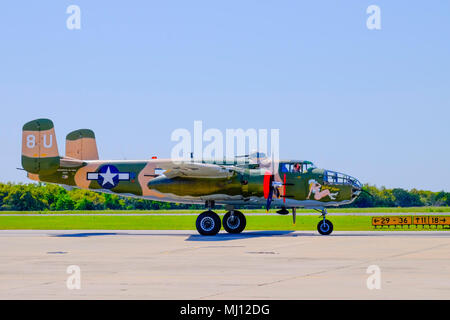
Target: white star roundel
{"x":108,"y":176}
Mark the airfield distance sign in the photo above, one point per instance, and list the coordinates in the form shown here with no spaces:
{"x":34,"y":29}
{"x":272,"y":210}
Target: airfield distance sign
{"x":411,"y":220}
{"x":391,"y":221}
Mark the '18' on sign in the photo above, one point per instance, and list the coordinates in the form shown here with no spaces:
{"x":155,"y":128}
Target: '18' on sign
{"x":434,"y":220}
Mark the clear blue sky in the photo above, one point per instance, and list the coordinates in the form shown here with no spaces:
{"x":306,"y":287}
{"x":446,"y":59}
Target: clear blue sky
{"x":374,"y":104}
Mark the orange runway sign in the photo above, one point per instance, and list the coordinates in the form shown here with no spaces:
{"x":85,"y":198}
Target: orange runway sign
{"x":395,"y":221}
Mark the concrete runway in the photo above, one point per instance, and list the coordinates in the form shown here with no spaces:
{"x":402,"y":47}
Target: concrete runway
{"x":254,"y":265}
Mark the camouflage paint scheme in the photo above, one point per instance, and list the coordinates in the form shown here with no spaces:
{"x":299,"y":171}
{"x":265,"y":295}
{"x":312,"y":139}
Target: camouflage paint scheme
{"x":295,"y":183}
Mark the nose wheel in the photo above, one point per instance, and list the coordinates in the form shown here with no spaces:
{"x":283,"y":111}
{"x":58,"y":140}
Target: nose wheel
{"x":325,"y":227}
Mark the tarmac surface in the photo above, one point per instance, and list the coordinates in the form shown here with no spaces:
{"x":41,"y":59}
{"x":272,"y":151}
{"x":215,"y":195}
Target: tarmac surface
{"x":253,"y":265}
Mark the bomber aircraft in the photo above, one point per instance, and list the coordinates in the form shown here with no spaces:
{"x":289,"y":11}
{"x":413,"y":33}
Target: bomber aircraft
{"x":256,"y":181}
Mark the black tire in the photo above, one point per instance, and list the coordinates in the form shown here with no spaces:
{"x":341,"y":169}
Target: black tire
{"x":235,"y":224}
{"x":325,"y":227}
{"x":208,"y":223}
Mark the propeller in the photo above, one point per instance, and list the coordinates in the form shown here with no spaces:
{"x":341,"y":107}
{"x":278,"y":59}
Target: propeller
{"x":268,"y":188}
{"x":268,"y":185}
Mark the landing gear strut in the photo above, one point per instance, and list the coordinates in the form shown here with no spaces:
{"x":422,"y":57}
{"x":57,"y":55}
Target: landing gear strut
{"x":325,"y":227}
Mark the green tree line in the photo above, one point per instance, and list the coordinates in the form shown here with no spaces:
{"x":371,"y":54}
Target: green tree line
{"x":397,"y":197}
{"x":41,"y":197}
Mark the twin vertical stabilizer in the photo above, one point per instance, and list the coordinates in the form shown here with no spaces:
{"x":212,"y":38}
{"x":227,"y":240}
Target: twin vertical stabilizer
{"x":80,"y":144}
{"x":40,"y":150}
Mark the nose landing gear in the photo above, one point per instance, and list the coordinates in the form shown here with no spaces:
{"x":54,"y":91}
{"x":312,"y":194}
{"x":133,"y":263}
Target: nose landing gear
{"x":325,"y":227}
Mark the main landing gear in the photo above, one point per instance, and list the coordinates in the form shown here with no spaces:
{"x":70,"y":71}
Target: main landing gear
{"x":325,"y":227}
{"x":208,"y":222}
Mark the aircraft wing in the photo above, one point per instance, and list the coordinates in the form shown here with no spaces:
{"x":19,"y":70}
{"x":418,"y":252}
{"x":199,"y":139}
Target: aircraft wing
{"x":198,"y":170}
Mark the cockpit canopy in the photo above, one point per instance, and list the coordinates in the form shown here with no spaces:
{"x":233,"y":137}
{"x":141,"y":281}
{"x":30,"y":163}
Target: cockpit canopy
{"x":333,"y":177}
{"x":296,"y":166}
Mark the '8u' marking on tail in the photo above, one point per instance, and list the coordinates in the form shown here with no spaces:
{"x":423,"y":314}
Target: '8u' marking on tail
{"x":31,"y":141}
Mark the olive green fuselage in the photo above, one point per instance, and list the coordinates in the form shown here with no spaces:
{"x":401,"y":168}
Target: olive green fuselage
{"x":245,"y":186}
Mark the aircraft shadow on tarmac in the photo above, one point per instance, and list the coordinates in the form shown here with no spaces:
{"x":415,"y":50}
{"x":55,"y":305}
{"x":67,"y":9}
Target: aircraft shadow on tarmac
{"x":191,"y":237}
{"x":244,"y":235}
{"x":86,"y":234}
{"x":249,"y":234}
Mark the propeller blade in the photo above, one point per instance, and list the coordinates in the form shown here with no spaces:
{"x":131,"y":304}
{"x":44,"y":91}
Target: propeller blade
{"x":268,"y":188}
{"x":273,"y":165}
{"x":277,"y":193}
{"x":267,"y":184}
{"x":269,"y":202}
{"x":294,"y":214}
{"x":284,"y":188}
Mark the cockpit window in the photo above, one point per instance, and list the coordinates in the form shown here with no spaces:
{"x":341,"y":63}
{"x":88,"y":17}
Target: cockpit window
{"x":332,"y":177}
{"x":292,"y":167}
{"x":297,"y":167}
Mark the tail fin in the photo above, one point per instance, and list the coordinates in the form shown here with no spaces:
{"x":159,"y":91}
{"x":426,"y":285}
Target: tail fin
{"x":80,"y":144}
{"x":39,"y":148}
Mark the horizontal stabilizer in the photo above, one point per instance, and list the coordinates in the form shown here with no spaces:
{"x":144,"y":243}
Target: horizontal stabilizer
{"x":71,"y":163}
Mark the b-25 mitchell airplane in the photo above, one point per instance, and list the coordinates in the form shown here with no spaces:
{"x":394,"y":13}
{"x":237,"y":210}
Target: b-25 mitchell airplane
{"x":257,"y":181}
